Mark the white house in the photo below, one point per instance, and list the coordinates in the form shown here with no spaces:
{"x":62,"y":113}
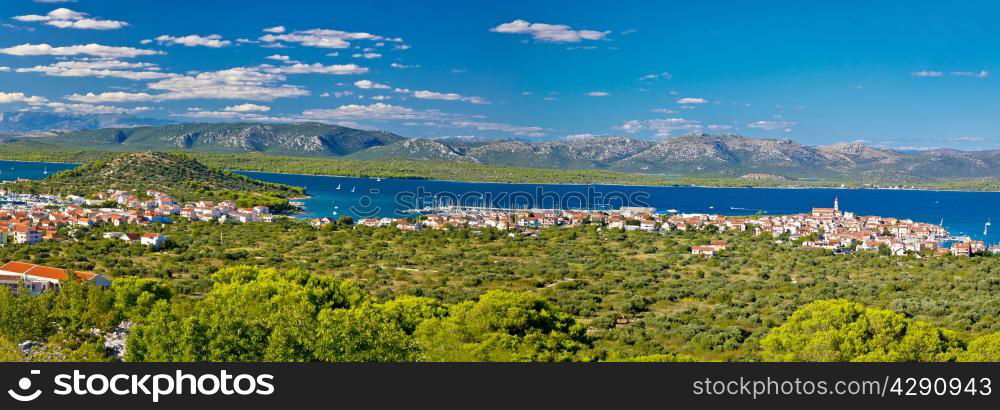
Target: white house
{"x":153,"y":240}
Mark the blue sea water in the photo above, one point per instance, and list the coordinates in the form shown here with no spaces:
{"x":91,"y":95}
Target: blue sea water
{"x":963,"y":213}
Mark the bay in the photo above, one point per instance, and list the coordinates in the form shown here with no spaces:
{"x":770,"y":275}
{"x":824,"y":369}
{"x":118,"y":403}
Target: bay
{"x":963,"y":213}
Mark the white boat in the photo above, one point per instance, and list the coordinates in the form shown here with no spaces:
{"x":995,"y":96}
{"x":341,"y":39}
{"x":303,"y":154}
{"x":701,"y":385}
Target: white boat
{"x":353,"y":188}
{"x":672,"y":211}
{"x":338,"y":186}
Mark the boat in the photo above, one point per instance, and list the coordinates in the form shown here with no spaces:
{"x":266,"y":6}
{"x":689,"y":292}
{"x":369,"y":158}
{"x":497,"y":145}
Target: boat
{"x":338,"y":186}
{"x":379,"y":179}
{"x":986,"y":228}
{"x":672,"y":211}
{"x":353,"y":188}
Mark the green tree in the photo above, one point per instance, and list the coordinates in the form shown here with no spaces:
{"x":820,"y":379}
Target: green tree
{"x":839,"y":331}
{"x":502,"y":326}
{"x":983,"y":349}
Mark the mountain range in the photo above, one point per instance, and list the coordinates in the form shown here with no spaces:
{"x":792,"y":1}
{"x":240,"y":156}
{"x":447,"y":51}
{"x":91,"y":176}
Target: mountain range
{"x":35,"y":121}
{"x":697,"y":154}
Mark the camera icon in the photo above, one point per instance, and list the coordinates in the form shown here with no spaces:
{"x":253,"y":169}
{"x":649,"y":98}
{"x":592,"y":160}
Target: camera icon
{"x":24,"y":384}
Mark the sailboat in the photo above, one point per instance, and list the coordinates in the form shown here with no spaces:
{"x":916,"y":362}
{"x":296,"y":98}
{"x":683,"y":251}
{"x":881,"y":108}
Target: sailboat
{"x":986,"y":228}
{"x":46,"y":171}
{"x":378,"y":179}
{"x":338,"y":186}
{"x":353,"y":188}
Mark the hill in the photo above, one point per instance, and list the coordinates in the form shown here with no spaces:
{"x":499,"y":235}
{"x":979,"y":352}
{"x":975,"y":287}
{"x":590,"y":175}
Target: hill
{"x":300,"y":139}
{"x":723,"y":156}
{"x":413,"y":149}
{"x":175,"y":174}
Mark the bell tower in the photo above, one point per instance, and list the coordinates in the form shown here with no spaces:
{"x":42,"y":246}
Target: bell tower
{"x":836,"y":204}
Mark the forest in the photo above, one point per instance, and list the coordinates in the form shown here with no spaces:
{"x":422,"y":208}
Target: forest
{"x":289,"y":292}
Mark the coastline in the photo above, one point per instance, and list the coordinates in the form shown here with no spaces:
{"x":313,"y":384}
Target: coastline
{"x":574,"y":184}
{"x":616,"y":185}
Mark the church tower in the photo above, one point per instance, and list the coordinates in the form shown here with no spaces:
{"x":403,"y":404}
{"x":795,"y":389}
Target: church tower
{"x":836,"y":204}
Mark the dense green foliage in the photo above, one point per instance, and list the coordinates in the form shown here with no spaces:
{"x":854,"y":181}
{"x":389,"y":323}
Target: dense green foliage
{"x":61,"y":325}
{"x":636,"y":295}
{"x":840,"y":331}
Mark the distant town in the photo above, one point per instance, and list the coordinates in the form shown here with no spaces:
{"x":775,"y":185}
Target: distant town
{"x":823,"y":228}
{"x":29,"y":218}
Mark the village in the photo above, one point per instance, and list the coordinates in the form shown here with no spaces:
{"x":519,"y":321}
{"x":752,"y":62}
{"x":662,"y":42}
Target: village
{"x":826,"y":228}
{"x":30,"y":219}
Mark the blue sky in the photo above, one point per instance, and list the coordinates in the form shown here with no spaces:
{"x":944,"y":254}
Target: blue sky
{"x":904,"y":74}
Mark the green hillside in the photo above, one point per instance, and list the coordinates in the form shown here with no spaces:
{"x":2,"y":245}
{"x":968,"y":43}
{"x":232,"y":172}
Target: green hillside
{"x":178,"y":175}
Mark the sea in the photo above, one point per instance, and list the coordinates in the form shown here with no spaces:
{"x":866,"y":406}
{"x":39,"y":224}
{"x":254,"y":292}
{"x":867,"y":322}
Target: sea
{"x":962,"y":213}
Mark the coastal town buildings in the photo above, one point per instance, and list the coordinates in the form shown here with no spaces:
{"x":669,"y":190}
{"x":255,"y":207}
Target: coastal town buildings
{"x":39,"y":278}
{"x":30,"y":219}
{"x":821,"y":228}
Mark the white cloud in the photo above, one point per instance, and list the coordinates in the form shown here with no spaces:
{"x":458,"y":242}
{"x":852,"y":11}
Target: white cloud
{"x":691,"y":100}
{"x":88,"y":49}
{"x":235,"y":83}
{"x":598,"y":94}
{"x":501,"y":127}
{"x":660,"y":127}
{"x":93,"y":109}
{"x":317,"y":68}
{"x":194,"y":40}
{"x":114,"y":96}
{"x":431,"y":95}
{"x":66,"y":18}
{"x":403,"y":66}
{"x":247,"y":108}
{"x":368,"y":56}
{"x":720,"y":127}
{"x":275,"y":29}
{"x":10,"y":98}
{"x":772,"y":125}
{"x":377,"y":111}
{"x":368,"y":85}
{"x":926,"y":73}
{"x":554,"y":33}
{"x":100,"y":69}
{"x":322,"y":38}
{"x":979,"y":74}
{"x":279,"y":57}
{"x":656,"y":76}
